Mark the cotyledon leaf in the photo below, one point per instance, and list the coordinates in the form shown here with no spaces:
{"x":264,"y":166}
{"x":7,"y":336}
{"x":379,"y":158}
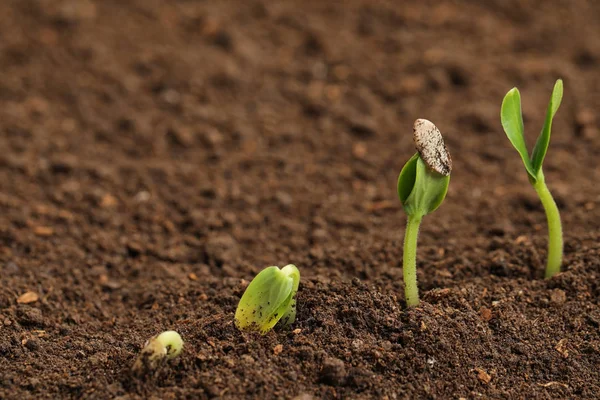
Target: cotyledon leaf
{"x":406,"y":179}
{"x":429,"y":190}
{"x":268,"y":299}
{"x":512,"y":122}
{"x":541,"y":145}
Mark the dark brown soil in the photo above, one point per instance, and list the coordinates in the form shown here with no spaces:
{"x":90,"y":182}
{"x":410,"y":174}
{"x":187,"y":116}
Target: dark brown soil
{"x":156,"y":155}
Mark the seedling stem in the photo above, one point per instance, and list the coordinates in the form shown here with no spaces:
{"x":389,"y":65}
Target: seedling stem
{"x":555,"y":239}
{"x":411,"y":235}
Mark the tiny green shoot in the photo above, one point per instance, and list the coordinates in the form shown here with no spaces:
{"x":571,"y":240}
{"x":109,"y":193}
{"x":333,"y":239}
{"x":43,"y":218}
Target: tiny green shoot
{"x":512,"y":122}
{"x":268,"y":299}
{"x":166,"y":345}
{"x":422,"y":187}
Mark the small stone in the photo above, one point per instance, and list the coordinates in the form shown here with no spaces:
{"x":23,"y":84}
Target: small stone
{"x":333,"y":372}
{"x":485,"y":314}
{"x":108,"y":201}
{"x":28,"y":297}
{"x":44,"y":231}
{"x":142,"y":197}
{"x":483,"y":376}
{"x":561,"y":347}
{"x":192,"y":276}
{"x":521,"y":239}
{"x":278,"y":349}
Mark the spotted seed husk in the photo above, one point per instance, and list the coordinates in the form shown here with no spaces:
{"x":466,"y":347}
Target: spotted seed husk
{"x":431,"y":147}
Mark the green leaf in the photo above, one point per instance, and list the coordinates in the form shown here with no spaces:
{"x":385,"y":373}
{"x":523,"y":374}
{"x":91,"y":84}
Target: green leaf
{"x":268,"y":299}
{"x":406,"y":179}
{"x":541,"y":145}
{"x":512,"y":122}
{"x":421,"y":189}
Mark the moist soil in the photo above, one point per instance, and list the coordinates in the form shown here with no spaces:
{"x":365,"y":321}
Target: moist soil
{"x":157,"y":155}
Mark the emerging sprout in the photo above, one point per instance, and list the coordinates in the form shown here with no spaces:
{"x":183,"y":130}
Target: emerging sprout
{"x":422,"y":186}
{"x":512,"y":122}
{"x":268,"y":299}
{"x":166,"y":345}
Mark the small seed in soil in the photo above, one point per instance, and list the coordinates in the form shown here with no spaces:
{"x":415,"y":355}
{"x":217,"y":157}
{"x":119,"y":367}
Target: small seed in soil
{"x":28,"y":297}
{"x":166,"y":345}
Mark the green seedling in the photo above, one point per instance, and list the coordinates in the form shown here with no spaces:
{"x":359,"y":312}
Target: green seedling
{"x":422,"y":187}
{"x":512,"y":122}
{"x":164,"y":346}
{"x":268,"y":299}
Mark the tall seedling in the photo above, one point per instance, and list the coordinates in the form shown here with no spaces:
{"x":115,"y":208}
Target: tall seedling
{"x":512,"y":122}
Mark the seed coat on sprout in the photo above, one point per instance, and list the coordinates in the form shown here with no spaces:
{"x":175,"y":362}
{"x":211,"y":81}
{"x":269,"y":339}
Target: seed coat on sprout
{"x":431,"y":147}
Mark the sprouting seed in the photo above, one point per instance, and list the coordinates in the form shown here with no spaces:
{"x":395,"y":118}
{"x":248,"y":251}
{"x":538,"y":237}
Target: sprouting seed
{"x":166,"y":345}
{"x":512,"y":122}
{"x":271,"y":293}
{"x":422,"y":187}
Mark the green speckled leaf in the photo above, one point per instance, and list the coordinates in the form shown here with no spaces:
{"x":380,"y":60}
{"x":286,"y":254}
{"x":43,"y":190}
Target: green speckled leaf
{"x":268,"y":299}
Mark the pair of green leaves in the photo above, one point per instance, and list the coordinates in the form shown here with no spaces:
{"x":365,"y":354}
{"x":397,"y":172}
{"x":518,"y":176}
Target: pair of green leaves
{"x":421,"y":190}
{"x":512,"y":122}
{"x":268,"y":299}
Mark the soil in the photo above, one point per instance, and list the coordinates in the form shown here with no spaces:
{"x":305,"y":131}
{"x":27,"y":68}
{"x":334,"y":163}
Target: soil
{"x":157,"y":155}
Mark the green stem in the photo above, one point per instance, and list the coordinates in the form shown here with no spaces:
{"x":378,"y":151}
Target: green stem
{"x":411,"y":291}
{"x":555,"y":239}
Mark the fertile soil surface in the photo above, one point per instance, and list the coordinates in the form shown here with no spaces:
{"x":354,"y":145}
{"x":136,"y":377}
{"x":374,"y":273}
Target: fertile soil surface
{"x":156,"y":155}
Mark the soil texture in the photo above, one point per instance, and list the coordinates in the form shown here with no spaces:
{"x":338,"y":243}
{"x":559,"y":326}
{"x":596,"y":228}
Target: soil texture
{"x":156,"y":155}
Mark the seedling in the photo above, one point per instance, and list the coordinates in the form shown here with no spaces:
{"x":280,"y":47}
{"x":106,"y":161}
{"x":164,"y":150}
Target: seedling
{"x":422,"y":187}
{"x":512,"y":122}
{"x":166,"y":345}
{"x":269,"y":299}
